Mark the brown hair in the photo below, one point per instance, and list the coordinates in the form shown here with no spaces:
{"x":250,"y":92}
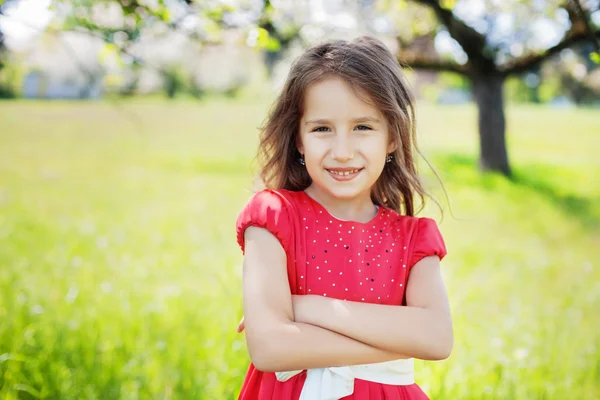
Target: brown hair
{"x":371,"y":69}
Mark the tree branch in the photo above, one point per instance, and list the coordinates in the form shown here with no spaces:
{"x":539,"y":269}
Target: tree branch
{"x":526,"y":63}
{"x":584,"y":18}
{"x":471,"y":41}
{"x":415,"y":60}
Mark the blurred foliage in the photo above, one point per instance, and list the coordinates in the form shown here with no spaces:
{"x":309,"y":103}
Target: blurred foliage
{"x":124,"y":22}
{"x":7,"y":91}
{"x":498,"y":38}
{"x":272,"y":27}
{"x":110,"y":18}
{"x":11,"y":74}
{"x":173,"y":81}
{"x":266,"y":41}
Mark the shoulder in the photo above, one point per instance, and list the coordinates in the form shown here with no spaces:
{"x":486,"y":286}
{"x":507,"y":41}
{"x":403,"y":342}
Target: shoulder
{"x":271,"y":201}
{"x":266,"y":198}
{"x":407,"y":225}
{"x":426,"y":241}
{"x":269,"y":209}
{"x":404,"y":225}
{"x":421,"y":235}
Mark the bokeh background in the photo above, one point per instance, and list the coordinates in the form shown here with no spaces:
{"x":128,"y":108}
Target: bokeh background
{"x":127,"y":136}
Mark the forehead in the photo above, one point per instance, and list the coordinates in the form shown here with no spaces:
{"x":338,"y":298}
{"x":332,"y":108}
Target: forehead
{"x":336,"y":98}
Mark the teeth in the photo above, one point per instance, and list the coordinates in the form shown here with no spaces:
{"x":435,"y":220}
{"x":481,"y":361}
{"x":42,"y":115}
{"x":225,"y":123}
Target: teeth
{"x":344,"y":173}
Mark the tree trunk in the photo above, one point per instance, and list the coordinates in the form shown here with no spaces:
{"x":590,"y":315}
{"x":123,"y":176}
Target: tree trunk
{"x":487,"y":91}
{"x":270,"y":59}
{"x":2,"y":50}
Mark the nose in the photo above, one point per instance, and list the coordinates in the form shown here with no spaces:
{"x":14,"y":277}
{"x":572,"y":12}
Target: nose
{"x":342,"y":149}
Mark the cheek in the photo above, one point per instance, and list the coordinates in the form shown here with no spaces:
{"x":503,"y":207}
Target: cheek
{"x":375,"y":148}
{"x":314,"y":149}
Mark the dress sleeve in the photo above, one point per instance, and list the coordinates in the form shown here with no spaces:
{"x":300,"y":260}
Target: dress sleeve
{"x":427,"y":241}
{"x":270,"y":210}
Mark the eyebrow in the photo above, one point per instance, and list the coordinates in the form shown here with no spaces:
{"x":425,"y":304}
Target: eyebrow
{"x":355,"y":120}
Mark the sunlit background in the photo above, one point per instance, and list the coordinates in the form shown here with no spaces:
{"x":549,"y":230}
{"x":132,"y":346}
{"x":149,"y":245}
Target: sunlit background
{"x":127,"y":136}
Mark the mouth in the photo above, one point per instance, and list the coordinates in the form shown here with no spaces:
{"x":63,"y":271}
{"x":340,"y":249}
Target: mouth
{"x":343,"y":173}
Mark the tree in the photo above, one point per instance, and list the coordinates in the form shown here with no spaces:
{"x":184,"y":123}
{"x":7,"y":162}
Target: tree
{"x":2,"y":47}
{"x":7,"y":89}
{"x":3,"y":50}
{"x":122,"y":24}
{"x":279,"y":34}
{"x":487,"y":66}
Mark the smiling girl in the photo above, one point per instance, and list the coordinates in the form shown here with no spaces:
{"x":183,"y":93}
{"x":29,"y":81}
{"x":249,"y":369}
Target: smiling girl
{"x":342,"y":286}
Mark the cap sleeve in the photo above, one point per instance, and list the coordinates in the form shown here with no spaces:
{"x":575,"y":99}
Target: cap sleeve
{"x":266,"y":209}
{"x":427,"y":241}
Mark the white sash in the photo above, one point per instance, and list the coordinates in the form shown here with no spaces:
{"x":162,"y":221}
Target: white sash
{"x":333,"y":383}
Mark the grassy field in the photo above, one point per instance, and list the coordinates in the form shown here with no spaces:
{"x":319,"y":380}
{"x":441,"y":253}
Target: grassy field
{"x":120,"y":275}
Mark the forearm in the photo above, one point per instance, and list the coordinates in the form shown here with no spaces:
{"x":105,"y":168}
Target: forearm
{"x":296,"y":346}
{"x":413,"y":331}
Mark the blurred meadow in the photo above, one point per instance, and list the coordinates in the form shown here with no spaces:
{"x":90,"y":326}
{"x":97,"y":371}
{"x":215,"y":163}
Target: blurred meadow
{"x":120,"y":272}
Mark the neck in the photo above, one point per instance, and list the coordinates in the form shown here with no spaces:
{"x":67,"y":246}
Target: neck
{"x":359,"y":208}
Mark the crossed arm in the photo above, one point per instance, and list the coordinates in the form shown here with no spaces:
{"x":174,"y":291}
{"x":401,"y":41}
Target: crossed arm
{"x":285,"y":332}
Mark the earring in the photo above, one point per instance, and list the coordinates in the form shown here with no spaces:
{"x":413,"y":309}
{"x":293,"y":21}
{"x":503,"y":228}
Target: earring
{"x":389,"y":159}
{"x":301,"y":160}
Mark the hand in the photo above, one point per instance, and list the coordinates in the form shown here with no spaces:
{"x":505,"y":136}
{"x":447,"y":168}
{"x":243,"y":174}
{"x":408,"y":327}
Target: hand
{"x":241,"y":326}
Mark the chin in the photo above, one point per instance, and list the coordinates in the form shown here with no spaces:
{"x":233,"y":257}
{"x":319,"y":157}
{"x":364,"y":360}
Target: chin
{"x":346,"y":192}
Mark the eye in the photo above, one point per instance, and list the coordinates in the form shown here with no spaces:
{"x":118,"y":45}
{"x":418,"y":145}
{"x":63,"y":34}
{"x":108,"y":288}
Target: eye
{"x":363,"y":128}
{"x":321,"y":129}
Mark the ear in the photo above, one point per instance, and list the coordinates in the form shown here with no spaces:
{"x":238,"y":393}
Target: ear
{"x":392,"y":146}
{"x":299,"y":144}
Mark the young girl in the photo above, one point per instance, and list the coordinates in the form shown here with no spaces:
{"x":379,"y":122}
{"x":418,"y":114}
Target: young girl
{"x":341,"y":282}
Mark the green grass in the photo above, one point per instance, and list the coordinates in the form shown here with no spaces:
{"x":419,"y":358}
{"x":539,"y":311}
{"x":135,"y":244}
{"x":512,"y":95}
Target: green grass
{"x":120,"y":274}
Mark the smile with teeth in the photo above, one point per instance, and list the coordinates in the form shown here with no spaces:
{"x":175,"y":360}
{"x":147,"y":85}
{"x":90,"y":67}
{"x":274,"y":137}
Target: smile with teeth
{"x":344,"y":173}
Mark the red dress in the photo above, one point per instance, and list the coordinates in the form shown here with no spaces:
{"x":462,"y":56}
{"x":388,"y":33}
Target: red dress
{"x":349,"y":260}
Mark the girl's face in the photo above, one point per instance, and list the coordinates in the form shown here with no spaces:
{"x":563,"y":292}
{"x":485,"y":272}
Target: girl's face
{"x":345,"y":141}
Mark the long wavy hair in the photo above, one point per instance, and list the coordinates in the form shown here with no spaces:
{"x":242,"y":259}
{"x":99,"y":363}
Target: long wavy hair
{"x":374,"y":74}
